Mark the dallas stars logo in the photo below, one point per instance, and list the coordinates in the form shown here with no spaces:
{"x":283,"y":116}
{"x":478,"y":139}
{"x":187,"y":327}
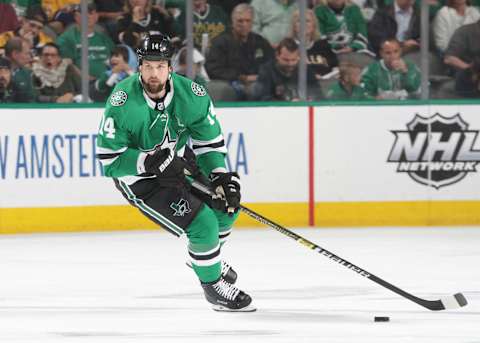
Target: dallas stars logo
{"x":198,"y":90}
{"x":181,"y":208}
{"x":168,"y":142}
{"x":118,"y":98}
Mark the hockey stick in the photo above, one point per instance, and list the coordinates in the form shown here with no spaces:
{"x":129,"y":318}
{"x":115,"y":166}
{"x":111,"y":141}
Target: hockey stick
{"x":446,"y":303}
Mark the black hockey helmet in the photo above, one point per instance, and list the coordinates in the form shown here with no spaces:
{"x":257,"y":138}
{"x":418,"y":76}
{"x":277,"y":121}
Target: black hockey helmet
{"x":155,"y":47}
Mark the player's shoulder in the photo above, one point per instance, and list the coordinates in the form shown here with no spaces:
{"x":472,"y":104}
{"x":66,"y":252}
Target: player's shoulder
{"x":188,"y":91}
{"x":124,"y":93}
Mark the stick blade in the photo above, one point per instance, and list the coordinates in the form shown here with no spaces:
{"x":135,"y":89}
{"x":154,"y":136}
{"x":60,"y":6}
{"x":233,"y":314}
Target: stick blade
{"x":454,"y":301}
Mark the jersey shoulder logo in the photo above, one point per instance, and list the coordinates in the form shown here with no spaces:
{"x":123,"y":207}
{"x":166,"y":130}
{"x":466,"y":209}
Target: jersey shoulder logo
{"x":118,"y":98}
{"x":198,"y":89}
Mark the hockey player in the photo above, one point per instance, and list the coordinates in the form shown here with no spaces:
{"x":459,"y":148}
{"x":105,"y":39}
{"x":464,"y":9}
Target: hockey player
{"x":149,"y":118}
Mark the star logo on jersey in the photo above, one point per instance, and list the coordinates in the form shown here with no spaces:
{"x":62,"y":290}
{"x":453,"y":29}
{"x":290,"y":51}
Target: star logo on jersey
{"x":168,"y":142}
{"x":181,"y":208}
{"x":118,"y":98}
{"x":198,"y":90}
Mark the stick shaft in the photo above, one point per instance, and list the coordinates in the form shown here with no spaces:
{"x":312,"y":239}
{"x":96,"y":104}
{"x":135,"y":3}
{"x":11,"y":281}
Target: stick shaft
{"x":434,"y":305}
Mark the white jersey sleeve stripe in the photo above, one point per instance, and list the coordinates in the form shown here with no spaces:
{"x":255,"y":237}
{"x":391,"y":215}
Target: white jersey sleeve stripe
{"x":101,"y":150}
{"x":200,"y":151}
{"x":217,"y":139}
{"x":107,"y":162}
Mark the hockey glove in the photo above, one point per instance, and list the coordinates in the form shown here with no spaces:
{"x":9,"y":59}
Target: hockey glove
{"x":166,"y":165}
{"x":227,"y":187}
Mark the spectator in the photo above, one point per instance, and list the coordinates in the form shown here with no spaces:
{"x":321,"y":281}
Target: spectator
{"x":401,"y":20}
{"x":140,"y":18}
{"x":123,"y":63}
{"x":199,"y":73}
{"x":392,"y":77}
{"x":209,"y":21}
{"x":368,"y":8}
{"x":60,"y":13}
{"x":228,"y":5}
{"x":108,"y":13}
{"x":344,"y":26}
{"x":54,"y":7}
{"x":18,"y":51}
{"x":349,"y":86}
{"x":320,"y":56}
{"x":272,"y":18}
{"x":173,"y":7}
{"x":100,"y":45}
{"x":7,"y":89}
{"x":433,"y":5}
{"x":235,"y":56}
{"x":56,"y":79}
{"x":31,"y":30}
{"x":8,"y":18}
{"x":450,"y":17}
{"x":463,"y":55}
{"x":278,"y":79}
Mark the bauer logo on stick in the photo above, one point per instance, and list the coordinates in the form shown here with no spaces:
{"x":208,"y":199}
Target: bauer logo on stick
{"x":436,"y":151}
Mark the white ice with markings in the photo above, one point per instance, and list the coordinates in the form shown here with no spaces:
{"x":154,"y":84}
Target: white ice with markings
{"x":134,"y":287}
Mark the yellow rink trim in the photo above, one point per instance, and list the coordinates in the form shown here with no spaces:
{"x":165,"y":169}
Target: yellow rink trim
{"x":398,"y":213}
{"x":125,"y":217}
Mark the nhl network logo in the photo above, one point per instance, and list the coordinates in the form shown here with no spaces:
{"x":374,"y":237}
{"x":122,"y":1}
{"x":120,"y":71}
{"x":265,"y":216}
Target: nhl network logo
{"x":436,"y":151}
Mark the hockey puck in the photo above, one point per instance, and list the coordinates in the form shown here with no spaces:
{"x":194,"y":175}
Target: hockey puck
{"x":382,"y":319}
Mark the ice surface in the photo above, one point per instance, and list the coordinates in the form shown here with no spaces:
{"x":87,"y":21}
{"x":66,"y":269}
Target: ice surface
{"x":134,"y":287}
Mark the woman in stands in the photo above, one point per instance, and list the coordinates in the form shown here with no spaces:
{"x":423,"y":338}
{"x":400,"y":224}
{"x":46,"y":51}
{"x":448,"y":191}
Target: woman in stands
{"x":319,"y":54}
{"x":140,"y":18}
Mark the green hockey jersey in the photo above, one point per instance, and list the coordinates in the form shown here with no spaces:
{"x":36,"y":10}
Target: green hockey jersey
{"x":347,"y":28}
{"x":392,"y":84}
{"x":338,"y":92}
{"x":133,"y":125}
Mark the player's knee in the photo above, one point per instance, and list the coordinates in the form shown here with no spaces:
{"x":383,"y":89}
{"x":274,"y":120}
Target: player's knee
{"x":226,"y":221}
{"x":204,"y":228}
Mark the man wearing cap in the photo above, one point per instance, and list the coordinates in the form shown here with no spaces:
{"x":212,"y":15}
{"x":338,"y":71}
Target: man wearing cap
{"x":31,"y":30}
{"x":142,"y":144}
{"x":8,"y":92}
{"x":100,"y":46}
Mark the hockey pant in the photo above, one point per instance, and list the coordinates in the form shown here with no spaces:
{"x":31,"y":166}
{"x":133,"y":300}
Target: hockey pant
{"x":180,"y":212}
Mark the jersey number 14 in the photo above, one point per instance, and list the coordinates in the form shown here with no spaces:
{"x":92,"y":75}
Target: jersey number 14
{"x":107,"y":127}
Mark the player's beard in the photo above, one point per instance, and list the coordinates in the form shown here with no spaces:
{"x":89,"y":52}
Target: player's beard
{"x":153,"y":87}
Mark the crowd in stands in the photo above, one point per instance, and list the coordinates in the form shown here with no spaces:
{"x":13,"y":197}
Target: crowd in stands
{"x":243,"y":49}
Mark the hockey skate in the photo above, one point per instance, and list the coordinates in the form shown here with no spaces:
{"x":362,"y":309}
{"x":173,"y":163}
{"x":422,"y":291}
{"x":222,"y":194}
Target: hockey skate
{"x":227,"y":273}
{"x":225,"y":297}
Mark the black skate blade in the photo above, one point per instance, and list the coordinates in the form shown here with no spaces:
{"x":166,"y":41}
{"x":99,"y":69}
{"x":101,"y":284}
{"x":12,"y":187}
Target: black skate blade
{"x":220,"y":308}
